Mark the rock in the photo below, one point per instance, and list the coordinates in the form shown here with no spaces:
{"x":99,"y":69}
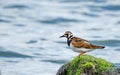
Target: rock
{"x":88,"y":65}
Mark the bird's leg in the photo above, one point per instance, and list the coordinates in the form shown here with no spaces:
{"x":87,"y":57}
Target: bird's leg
{"x":82,"y":53}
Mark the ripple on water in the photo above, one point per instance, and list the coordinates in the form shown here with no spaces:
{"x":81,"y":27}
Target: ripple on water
{"x":38,"y":54}
{"x":117,"y":49}
{"x":95,"y":29}
{"x":90,"y":14}
{"x":7,"y":16}
{"x":43,"y":39}
{"x":96,"y":36}
{"x":1,"y":48}
{"x":61,"y":42}
{"x":94,"y":8}
{"x":118,"y":23}
{"x":55,"y":61}
{"x":111,"y":7}
{"x":104,"y":8}
{"x":19,"y":25}
{"x":57,"y":20}
{"x":12,"y":61}
{"x":31,"y":42}
{"x":5,"y":21}
{"x":17,"y":6}
{"x":113,"y":43}
{"x":10,"y":54}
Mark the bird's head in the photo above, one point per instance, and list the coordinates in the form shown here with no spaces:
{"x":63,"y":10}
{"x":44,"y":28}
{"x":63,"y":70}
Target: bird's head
{"x":67,"y":34}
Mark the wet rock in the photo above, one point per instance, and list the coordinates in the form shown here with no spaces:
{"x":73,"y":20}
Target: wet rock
{"x":88,"y":65}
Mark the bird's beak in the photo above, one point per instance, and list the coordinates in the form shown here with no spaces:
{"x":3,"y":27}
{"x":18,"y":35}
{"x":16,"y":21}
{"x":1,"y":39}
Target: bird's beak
{"x":62,"y":36}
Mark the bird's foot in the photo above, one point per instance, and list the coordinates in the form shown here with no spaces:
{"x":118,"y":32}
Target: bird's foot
{"x":82,"y":53}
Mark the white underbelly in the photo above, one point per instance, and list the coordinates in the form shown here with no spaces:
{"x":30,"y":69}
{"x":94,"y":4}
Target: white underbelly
{"x":81,"y":49}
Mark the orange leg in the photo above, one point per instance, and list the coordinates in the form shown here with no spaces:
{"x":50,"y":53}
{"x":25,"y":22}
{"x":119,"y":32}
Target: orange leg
{"x":82,"y":53}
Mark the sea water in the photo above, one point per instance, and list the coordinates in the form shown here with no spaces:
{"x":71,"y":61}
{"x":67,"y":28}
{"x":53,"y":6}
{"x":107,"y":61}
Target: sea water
{"x":30,"y":30}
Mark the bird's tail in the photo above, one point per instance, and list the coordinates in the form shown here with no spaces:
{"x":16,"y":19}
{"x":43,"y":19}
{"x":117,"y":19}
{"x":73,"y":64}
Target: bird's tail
{"x":99,"y":47}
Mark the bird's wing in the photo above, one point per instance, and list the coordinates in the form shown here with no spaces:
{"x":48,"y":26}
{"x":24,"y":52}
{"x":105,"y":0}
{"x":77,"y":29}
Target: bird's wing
{"x":82,"y":43}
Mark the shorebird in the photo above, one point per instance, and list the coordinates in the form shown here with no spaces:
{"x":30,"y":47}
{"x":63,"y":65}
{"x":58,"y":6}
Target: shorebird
{"x":80,"y":45}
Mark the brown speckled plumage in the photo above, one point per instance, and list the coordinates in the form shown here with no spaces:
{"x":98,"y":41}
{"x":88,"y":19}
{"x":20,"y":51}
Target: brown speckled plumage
{"x":80,"y":45}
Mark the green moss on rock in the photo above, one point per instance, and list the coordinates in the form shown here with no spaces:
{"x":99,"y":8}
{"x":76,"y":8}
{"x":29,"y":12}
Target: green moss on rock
{"x":87,"y":64}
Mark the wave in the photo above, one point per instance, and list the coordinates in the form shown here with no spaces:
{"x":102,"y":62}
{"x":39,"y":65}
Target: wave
{"x":5,"y":21}
{"x":10,"y":54}
{"x":104,"y":8}
{"x":107,"y":42}
{"x":90,"y":14}
{"x":57,"y":20}
{"x":111,"y":7}
{"x":17,"y":6}
{"x":55,"y":61}
{"x":31,"y":41}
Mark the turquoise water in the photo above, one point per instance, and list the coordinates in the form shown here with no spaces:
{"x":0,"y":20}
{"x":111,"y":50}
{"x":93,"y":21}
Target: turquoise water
{"x":30,"y":30}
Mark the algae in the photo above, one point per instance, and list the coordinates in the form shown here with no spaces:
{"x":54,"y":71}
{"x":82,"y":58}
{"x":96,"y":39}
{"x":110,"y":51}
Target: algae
{"x":87,"y":64}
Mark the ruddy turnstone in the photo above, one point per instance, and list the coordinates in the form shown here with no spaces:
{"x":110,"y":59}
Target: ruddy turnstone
{"x":78,"y":44}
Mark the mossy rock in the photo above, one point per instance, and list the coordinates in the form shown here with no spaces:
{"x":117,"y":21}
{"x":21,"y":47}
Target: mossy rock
{"x":87,"y":65}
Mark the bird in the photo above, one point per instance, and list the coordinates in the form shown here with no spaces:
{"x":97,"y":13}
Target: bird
{"x":79,"y":45}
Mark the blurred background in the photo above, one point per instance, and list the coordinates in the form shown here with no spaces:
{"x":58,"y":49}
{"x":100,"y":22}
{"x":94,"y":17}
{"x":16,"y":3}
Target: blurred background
{"x":30,"y":30}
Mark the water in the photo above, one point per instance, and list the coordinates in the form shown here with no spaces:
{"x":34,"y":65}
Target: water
{"x":30,"y":30}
